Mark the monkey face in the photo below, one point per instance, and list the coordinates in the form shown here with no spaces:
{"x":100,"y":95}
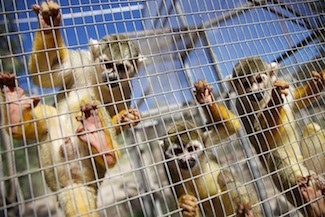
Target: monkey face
{"x":253,"y":79}
{"x":114,"y":73}
{"x":116,"y":58}
{"x":256,"y":87}
{"x":186,"y":154}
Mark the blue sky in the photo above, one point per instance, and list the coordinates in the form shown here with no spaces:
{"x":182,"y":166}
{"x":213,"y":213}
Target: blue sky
{"x":256,"y":31}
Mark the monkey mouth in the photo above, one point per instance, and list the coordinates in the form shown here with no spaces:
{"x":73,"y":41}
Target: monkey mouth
{"x":256,"y":96}
{"x":186,"y":165}
{"x":110,"y":79}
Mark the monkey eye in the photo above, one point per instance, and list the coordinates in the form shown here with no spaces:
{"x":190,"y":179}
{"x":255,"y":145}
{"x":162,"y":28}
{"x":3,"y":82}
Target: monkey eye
{"x":109,"y":65}
{"x":178,"y":151}
{"x":259,"y":79}
{"x":191,"y":148}
{"x":246,"y":84}
{"x":121,"y":68}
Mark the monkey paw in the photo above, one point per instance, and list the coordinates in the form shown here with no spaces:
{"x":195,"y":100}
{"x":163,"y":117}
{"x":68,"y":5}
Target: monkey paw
{"x":280,"y":91}
{"x":91,"y":131}
{"x":281,"y":86}
{"x":203,"y":92}
{"x":49,"y":15}
{"x":16,"y":98}
{"x":318,"y":81}
{"x":131,"y":116}
{"x":189,"y":205}
{"x":244,"y":210}
{"x":311,"y":192}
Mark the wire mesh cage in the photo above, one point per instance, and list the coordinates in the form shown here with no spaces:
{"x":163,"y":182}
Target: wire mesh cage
{"x":162,"y":108}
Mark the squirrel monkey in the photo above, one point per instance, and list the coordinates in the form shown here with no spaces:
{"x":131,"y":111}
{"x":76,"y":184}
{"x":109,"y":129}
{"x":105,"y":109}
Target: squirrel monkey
{"x":196,"y":174}
{"x":77,"y":137}
{"x":266,"y":110}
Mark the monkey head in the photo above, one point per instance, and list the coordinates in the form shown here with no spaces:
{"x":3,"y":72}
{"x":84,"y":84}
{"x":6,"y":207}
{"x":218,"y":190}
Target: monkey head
{"x":252,"y":79}
{"x":184,"y":145}
{"x":116,"y":58}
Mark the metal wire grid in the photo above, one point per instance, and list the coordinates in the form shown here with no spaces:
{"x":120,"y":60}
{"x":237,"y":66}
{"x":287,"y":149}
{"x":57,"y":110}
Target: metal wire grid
{"x":183,"y":41}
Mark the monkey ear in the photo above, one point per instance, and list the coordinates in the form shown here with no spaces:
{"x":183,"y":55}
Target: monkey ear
{"x":93,"y":46}
{"x":161,"y":143}
{"x":205,"y":137}
{"x":230,"y":83}
{"x":274,"y":68}
{"x":141,"y":58}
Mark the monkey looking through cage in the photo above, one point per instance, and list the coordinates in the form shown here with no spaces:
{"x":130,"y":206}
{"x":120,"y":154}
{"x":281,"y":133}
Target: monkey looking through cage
{"x":183,"y":42}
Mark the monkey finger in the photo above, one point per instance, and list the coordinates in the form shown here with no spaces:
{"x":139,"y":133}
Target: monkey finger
{"x":36,"y":8}
{"x":320,"y":184}
{"x":79,"y":118}
{"x":189,"y":200}
{"x":198,"y":86}
{"x":81,"y":128}
{"x":210,"y":88}
{"x":207,"y":86}
{"x":188,"y":208}
{"x":244,"y":209}
{"x":206,"y":92}
{"x":135,"y":113}
{"x":127,"y":118}
{"x":189,"y":214}
{"x":36,"y":100}
{"x":284,"y":92}
{"x":281,"y":84}
{"x":45,"y":8}
{"x":53,"y":8}
{"x":319,"y":76}
{"x":316,"y":75}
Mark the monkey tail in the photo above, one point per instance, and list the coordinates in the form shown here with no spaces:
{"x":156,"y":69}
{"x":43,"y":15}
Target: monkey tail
{"x":78,"y":199}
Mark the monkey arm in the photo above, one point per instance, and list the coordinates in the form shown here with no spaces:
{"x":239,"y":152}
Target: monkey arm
{"x":31,"y":124}
{"x":304,"y":184}
{"x":224,"y":118}
{"x":46,"y":55}
{"x":49,"y":51}
{"x":239,"y":195}
{"x":305,"y":94}
{"x":271,"y":120}
{"x":24,"y":116}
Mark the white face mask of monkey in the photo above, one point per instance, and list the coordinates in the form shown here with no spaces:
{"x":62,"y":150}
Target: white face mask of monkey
{"x":253,"y":80}
{"x":116,"y":58}
{"x":185,"y":148}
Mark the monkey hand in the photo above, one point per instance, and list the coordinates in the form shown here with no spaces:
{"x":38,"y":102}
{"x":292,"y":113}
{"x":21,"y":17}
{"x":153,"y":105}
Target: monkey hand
{"x":126,"y":118}
{"x":318,"y":82}
{"x":280,"y":91}
{"x":203,"y":92}
{"x":131,"y":116}
{"x":189,"y":205}
{"x":313,"y":188}
{"x":17,"y":100}
{"x":244,"y":210}
{"x":48,"y":15}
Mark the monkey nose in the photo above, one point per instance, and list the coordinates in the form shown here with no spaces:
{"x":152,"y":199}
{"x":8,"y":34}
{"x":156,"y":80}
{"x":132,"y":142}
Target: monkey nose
{"x":187,"y":164}
{"x":111,"y":79}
